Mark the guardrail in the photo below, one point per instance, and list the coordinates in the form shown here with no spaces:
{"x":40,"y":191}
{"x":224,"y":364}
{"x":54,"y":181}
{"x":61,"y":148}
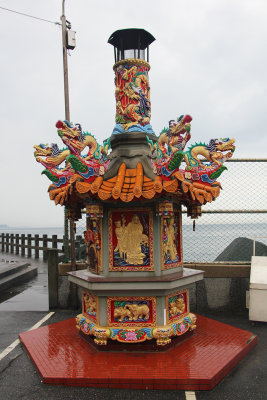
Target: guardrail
{"x":29,"y":245}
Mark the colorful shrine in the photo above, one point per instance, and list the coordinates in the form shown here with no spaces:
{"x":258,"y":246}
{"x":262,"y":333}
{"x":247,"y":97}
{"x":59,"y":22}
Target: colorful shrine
{"x":133,"y":187}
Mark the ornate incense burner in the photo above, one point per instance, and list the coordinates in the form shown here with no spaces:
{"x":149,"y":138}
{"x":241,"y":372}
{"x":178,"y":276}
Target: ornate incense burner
{"x":132,"y":187}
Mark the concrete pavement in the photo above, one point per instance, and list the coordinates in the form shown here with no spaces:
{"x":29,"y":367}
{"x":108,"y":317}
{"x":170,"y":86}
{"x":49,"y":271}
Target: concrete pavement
{"x":20,"y":380}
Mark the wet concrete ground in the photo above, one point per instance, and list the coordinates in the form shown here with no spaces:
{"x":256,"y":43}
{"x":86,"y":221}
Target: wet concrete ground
{"x":20,"y":380}
{"x":30,"y":296}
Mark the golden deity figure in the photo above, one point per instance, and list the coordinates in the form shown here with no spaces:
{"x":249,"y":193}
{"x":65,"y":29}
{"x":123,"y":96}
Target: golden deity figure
{"x":130,"y":239}
{"x":169,"y":246}
{"x":120,"y":234}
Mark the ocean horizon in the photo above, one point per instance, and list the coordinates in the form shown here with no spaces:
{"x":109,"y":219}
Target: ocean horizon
{"x":202,"y":245}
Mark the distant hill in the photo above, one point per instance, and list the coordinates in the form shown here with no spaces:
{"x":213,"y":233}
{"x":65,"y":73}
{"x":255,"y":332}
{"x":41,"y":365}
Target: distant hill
{"x":3,"y":226}
{"x":241,"y":249}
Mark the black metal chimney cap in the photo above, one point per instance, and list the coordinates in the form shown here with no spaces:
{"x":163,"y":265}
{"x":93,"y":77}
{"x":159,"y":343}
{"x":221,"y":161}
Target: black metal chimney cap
{"x":126,"y":39}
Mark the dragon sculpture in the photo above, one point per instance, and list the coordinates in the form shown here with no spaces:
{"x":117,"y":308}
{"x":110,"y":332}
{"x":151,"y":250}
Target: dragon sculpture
{"x":168,"y":153}
{"x":172,"y":140}
{"x":94,"y":162}
{"x":86,"y":161}
{"x":212,"y":152}
{"x":51,"y":157}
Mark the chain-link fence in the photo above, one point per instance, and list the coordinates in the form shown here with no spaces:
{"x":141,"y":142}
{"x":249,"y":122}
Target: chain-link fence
{"x":228,"y":226}
{"x":237,"y":217}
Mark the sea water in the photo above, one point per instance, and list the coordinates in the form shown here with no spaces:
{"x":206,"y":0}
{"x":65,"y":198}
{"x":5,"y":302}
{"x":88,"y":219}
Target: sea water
{"x":202,"y":245}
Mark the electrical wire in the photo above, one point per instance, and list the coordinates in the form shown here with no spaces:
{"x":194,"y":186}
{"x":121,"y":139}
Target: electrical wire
{"x":30,"y":16}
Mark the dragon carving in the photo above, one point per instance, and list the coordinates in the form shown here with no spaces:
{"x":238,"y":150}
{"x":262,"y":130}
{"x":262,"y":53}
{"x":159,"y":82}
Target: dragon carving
{"x":132,"y":96}
{"x":168,"y":153}
{"x":50,"y":156}
{"x":175,"y":138}
{"x":213,"y":152}
{"x":94,"y":162}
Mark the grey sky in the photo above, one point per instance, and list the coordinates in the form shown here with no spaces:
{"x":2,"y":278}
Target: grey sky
{"x":209,"y":60}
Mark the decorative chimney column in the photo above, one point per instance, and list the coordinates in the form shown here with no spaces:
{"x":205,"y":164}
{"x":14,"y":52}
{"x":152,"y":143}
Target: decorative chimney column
{"x":132,"y":93}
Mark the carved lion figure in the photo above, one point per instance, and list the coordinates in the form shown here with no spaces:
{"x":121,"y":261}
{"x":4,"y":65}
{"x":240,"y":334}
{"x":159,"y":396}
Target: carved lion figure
{"x":177,"y":307}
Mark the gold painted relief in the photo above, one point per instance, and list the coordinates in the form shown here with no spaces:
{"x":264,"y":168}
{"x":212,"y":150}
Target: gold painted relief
{"x":131,"y":311}
{"x":131,"y":240}
{"x":176,"y":305}
{"x":90,"y":306}
{"x":171,"y":241}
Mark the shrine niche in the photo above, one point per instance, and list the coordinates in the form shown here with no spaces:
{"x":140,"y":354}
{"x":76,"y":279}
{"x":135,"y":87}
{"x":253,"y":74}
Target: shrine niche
{"x":130,"y":240}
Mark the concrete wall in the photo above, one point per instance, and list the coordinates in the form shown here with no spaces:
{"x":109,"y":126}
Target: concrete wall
{"x":216,"y":294}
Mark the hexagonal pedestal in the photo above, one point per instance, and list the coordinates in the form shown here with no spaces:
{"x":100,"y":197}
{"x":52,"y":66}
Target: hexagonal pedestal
{"x":135,"y":309}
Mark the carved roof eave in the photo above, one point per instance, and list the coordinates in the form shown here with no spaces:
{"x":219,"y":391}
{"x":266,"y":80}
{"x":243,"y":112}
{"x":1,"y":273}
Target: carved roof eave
{"x":130,"y":186}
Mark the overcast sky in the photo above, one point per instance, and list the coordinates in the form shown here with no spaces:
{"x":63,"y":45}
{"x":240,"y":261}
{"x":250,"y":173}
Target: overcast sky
{"x":208,"y":60}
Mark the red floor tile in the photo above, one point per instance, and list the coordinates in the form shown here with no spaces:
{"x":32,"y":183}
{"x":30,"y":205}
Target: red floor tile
{"x":62,"y":357}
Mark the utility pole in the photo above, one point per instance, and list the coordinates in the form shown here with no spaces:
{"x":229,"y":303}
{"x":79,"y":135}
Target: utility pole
{"x":65,"y":45}
{"x":65,"y":63}
{"x":67,"y":113}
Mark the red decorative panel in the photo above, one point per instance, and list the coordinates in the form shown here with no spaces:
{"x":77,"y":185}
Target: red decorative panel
{"x":131,"y":311}
{"x":131,"y":240}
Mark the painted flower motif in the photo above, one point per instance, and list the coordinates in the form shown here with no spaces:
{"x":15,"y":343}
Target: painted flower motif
{"x":187,"y":175}
{"x":182,"y":327}
{"x":195,"y":177}
{"x":85,"y":327}
{"x":130,"y":336}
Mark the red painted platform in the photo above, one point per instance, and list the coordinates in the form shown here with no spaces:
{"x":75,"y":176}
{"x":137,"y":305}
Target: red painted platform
{"x":199,"y":363}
